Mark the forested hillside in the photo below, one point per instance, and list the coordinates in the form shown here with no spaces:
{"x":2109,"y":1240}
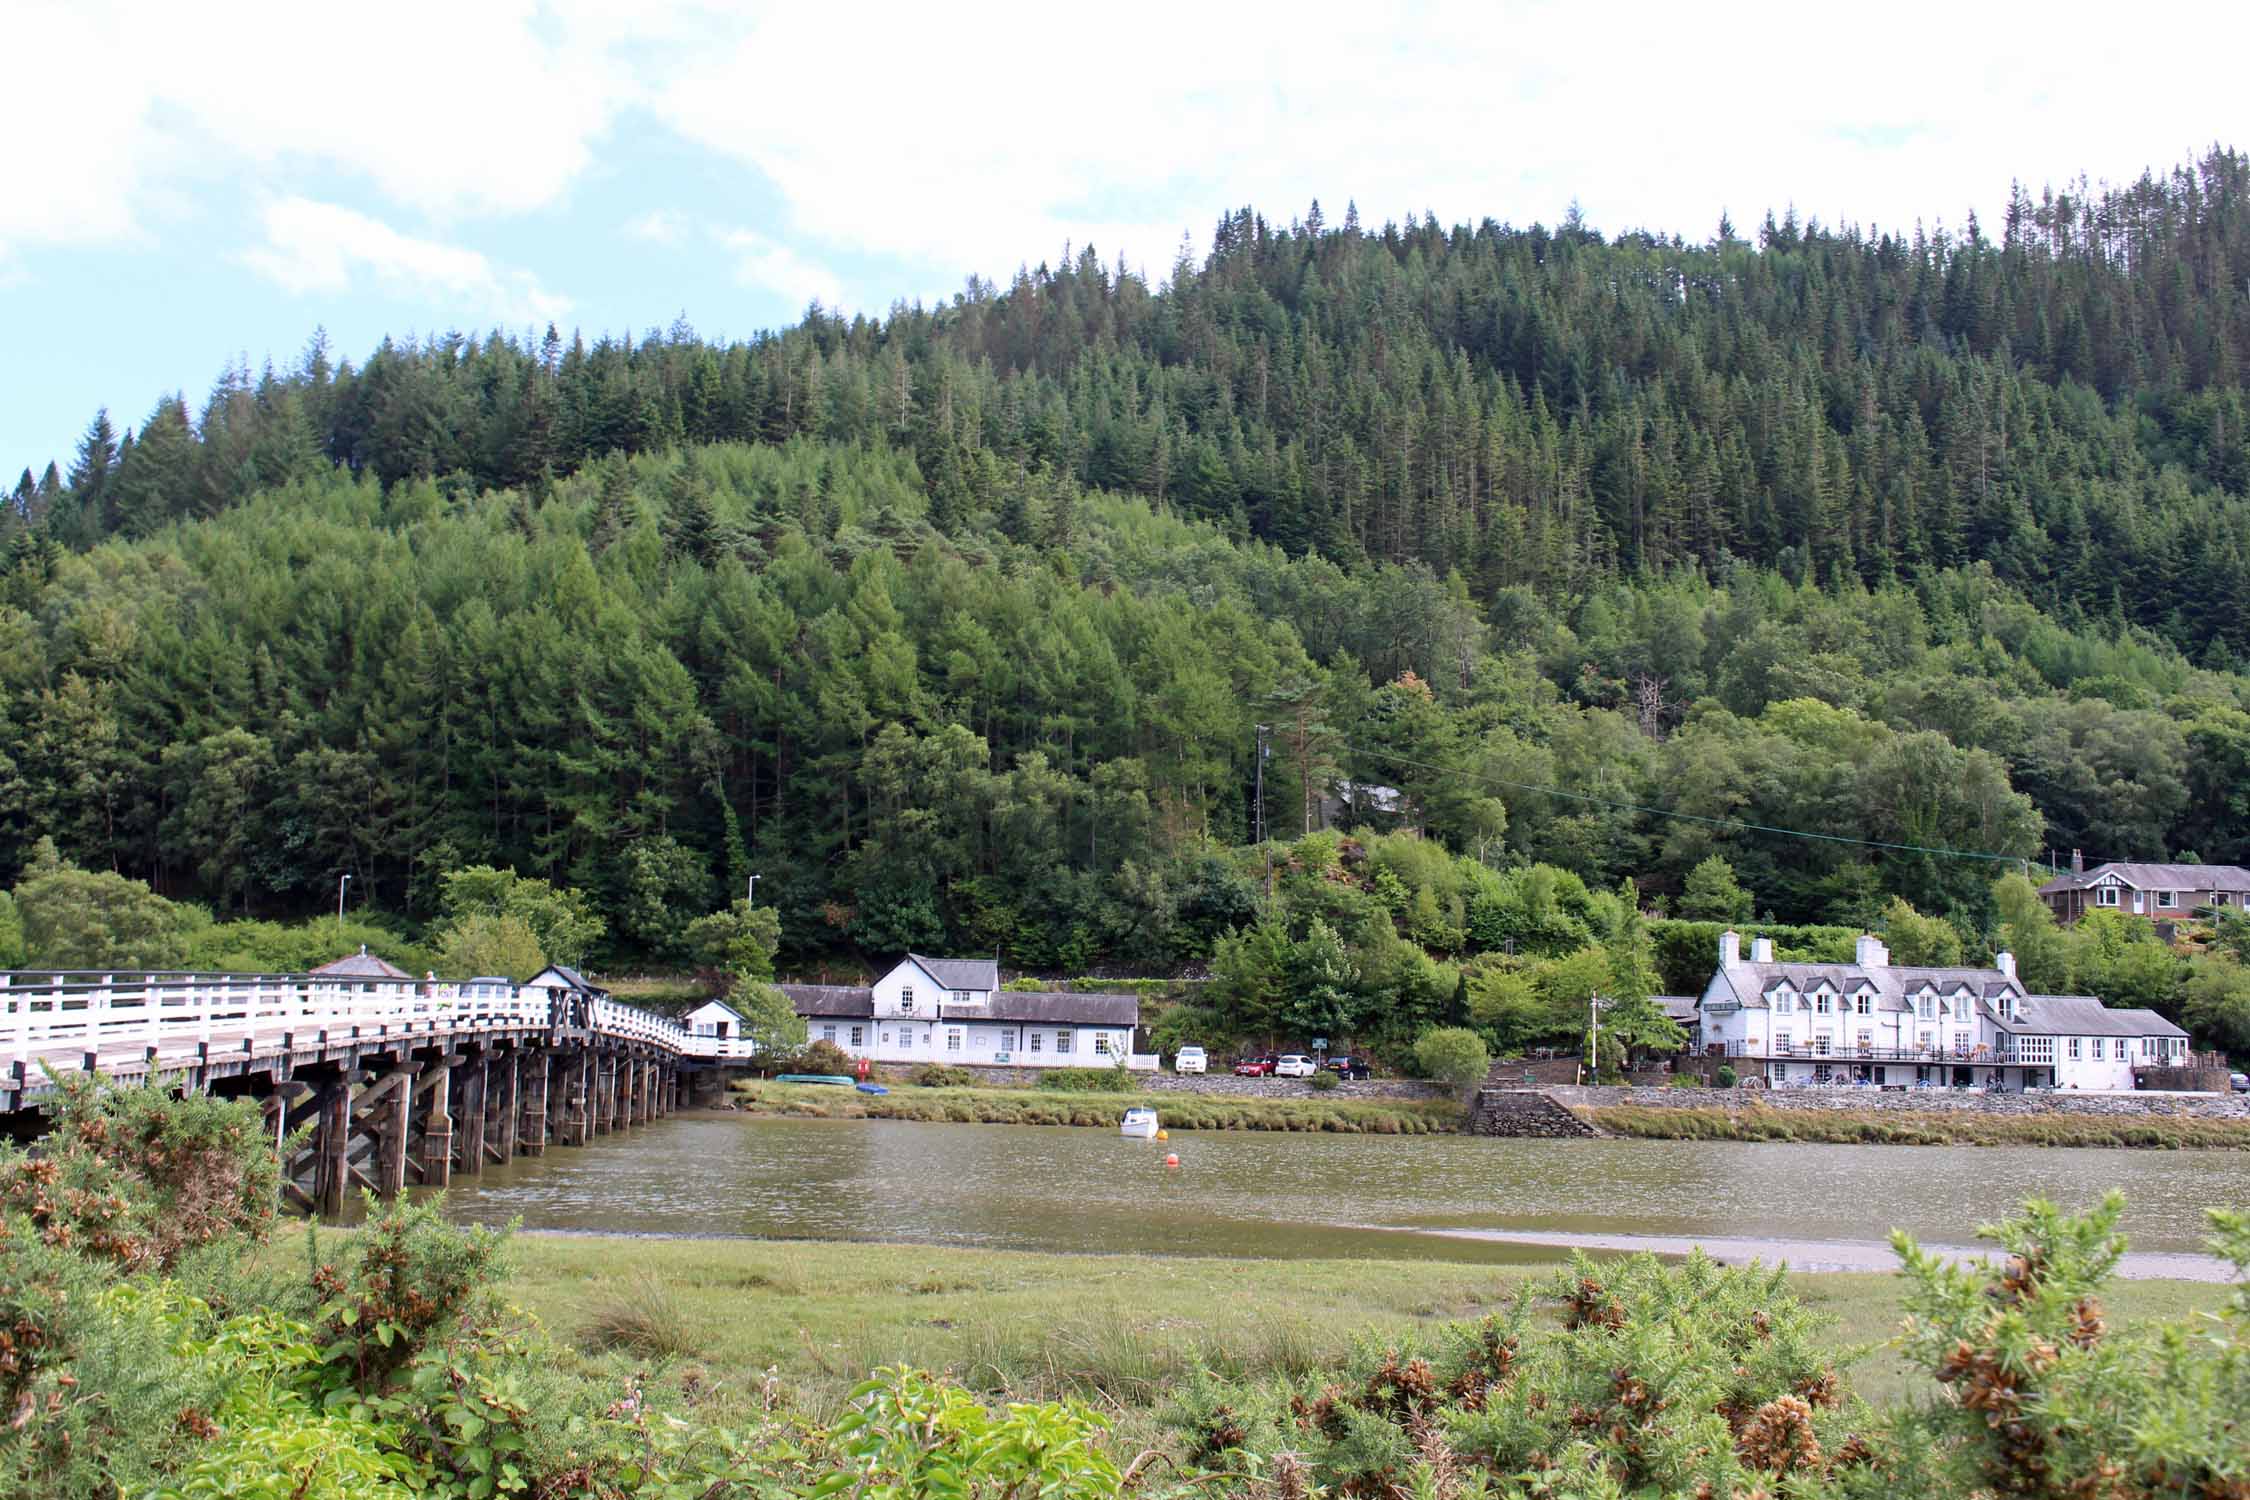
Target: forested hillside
{"x":956,"y":626}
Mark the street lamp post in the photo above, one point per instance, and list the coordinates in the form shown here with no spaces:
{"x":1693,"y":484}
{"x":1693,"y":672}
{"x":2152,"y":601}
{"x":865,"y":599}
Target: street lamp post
{"x":341,"y":882}
{"x":1594,"y":1004}
{"x":750,"y":896}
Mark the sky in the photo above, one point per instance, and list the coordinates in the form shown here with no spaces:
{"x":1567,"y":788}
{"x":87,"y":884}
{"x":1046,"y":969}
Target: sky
{"x":184,"y":187}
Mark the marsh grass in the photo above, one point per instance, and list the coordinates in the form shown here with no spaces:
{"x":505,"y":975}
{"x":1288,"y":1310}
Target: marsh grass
{"x":1757,"y":1122}
{"x":640,"y":1315}
{"x":1001,"y":1106}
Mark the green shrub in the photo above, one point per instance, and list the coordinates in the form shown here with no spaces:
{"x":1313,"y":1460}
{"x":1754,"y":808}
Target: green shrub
{"x":1452,"y":1055}
{"x":1088,"y":1081}
{"x":823,"y":1057}
{"x":1323,"y":1082}
{"x":1686,"y":1081}
{"x":1723,"y":1076}
{"x":941,"y":1076}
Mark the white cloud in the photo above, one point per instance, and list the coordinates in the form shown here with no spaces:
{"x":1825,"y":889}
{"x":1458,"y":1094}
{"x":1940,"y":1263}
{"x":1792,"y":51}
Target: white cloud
{"x":959,"y":139}
{"x":659,"y":226}
{"x":321,"y":247}
{"x":774,"y":267}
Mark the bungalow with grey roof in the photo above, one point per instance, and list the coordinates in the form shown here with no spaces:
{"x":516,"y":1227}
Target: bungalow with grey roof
{"x":2158,"y":892}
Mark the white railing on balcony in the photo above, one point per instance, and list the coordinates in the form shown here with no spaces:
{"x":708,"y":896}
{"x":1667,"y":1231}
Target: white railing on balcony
{"x":63,"y":1017}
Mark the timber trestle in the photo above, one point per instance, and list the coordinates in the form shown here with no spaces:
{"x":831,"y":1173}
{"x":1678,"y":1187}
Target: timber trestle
{"x":376,"y":1086}
{"x":389,"y":1119}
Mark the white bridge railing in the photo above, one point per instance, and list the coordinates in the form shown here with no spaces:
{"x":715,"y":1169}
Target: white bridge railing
{"x":64,"y":1018}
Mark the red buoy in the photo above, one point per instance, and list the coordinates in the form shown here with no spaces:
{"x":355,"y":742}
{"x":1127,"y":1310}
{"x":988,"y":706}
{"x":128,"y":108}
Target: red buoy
{"x":1173,"y":1160}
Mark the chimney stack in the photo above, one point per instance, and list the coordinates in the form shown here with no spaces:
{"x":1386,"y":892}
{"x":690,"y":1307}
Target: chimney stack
{"x":1730,"y":948}
{"x":2077,"y":862}
{"x":1761,"y":950}
{"x":1869,"y":952}
{"x":2005,"y":962}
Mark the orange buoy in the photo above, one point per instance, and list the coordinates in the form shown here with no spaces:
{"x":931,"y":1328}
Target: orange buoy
{"x":1164,"y":1135}
{"x":1173,"y":1160}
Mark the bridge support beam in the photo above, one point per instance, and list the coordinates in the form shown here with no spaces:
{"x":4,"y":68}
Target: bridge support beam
{"x":577,"y":1098}
{"x":507,"y":1105}
{"x":533,"y":1129}
{"x":332,"y":1140}
{"x":471,"y":1079}
{"x":437,"y":1122}
{"x":389,"y":1106}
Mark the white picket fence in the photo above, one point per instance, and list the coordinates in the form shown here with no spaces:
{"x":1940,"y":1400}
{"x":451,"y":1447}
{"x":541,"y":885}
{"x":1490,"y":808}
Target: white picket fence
{"x":63,"y":1019}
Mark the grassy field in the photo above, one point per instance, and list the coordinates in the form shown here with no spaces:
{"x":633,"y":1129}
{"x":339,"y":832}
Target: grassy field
{"x":1756,"y":1122}
{"x":1033,"y":1106}
{"x":744,"y":1317}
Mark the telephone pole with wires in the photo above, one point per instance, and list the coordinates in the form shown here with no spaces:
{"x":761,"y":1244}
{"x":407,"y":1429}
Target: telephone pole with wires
{"x":1258,"y":814}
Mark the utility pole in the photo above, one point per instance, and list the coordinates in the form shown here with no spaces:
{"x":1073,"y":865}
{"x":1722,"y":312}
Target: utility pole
{"x":1260,"y":812}
{"x":750,"y":896}
{"x":341,"y":882}
{"x":1594,"y":1004}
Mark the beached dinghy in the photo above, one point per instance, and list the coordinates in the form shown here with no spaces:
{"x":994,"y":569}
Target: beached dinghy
{"x":1139,"y":1124}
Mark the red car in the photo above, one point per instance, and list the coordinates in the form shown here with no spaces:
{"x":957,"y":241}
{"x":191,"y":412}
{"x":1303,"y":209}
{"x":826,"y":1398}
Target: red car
{"x":1254,"y":1067}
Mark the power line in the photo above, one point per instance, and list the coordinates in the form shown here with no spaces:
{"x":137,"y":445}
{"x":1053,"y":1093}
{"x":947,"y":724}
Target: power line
{"x":1687,"y":817}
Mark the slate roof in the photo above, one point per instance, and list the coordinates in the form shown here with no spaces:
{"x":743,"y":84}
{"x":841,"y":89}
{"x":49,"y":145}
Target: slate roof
{"x":2157,"y":878}
{"x":2082,"y":1015}
{"x":961,"y":973}
{"x":361,"y":965}
{"x":572,"y":978}
{"x":1061,"y":1007}
{"x":845,"y":1000}
{"x":1893,"y":983}
{"x":1680,"y":1008}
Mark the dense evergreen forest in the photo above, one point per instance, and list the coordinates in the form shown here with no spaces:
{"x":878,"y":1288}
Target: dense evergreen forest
{"x":956,"y":626}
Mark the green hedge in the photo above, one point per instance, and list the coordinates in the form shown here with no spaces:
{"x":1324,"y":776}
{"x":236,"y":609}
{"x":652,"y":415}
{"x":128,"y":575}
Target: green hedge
{"x":1687,"y":952}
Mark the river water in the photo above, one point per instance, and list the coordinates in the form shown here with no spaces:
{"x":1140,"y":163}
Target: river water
{"x":1251,"y":1193}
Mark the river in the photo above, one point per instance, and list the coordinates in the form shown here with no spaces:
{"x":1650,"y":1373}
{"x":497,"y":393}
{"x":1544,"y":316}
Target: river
{"x":1249,"y":1193}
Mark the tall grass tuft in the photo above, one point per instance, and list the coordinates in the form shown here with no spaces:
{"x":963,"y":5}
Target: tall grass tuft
{"x":640,"y":1316}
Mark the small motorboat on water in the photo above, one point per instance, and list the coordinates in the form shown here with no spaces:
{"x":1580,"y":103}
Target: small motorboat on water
{"x":1139,"y":1123}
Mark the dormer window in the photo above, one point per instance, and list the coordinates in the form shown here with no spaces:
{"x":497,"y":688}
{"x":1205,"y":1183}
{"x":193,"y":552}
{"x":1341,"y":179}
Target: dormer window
{"x":1784,"y":1003}
{"x":1864,"y":1005}
{"x":906,"y":1000}
{"x":1822,"y":1002}
{"x":1926,"y":1006}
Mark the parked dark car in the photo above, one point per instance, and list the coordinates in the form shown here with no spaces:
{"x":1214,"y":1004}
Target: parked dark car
{"x":1347,"y":1066}
{"x":1254,"y":1067}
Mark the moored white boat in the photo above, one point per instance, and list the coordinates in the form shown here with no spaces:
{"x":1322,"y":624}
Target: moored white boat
{"x":1139,"y":1123}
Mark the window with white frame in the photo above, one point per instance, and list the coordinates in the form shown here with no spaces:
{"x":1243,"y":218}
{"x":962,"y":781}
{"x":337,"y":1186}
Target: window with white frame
{"x":2105,"y":895}
{"x":1062,"y":1041}
{"x":2220,"y":898}
{"x":2077,"y":1048}
{"x":952,"y":1039}
{"x":828,"y":1033}
{"x":1035,"y":1039}
{"x":1781,"y":1042}
{"x":1101,"y":1043}
{"x":1926,"y":1006}
{"x":2165,"y":898}
{"x":859,"y":1036}
{"x":1784,"y":1003}
{"x":1822,"y":1002}
{"x":1865,"y":1040}
{"x":1927,"y":1039}
{"x":906,"y":1001}
{"x":2035,"y":1049}
{"x":2096,"y":1045}
{"x":1007,"y":1039}
{"x":1864,"y":1005}
{"x":968,"y":997}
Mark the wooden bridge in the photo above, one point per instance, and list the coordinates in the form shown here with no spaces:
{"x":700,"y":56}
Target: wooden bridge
{"x":403,"y":1083}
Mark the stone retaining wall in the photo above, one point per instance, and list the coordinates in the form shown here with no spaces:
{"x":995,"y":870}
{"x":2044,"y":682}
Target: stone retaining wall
{"x":1913,"y":1101}
{"x":1525,"y":1112}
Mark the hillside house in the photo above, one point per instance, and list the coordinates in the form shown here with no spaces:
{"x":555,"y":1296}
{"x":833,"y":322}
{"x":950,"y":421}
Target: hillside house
{"x":1877,"y":1023}
{"x":952,"y":1010}
{"x":2158,"y":892}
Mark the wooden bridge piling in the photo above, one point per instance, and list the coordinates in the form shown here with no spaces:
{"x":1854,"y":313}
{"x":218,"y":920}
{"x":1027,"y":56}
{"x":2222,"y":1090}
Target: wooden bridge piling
{"x":532,"y":1138}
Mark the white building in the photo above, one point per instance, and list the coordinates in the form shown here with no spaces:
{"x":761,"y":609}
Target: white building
{"x":714,"y":1018}
{"x":952,"y":1010}
{"x":1873,"y":1022}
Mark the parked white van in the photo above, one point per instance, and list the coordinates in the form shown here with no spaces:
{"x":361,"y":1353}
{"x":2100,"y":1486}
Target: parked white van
{"x":1189,"y":1060}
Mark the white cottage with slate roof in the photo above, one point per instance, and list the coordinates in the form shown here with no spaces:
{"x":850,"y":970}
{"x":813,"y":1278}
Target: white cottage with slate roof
{"x":952,"y":1010}
{"x":1874,"y":1023}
